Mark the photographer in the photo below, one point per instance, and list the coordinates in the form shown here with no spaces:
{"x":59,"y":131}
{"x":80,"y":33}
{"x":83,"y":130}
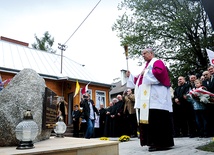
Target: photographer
{"x":88,"y":113}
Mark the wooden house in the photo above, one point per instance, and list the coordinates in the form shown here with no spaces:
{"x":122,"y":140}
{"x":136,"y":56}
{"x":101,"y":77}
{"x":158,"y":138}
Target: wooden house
{"x":16,"y":55}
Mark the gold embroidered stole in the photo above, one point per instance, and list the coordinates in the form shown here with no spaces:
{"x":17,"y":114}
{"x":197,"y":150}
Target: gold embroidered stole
{"x":144,"y":108}
{"x":145,"y":96}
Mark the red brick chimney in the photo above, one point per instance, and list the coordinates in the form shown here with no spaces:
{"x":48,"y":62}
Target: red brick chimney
{"x":14,"y":41}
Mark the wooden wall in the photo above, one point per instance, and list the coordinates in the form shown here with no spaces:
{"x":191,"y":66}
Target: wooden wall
{"x":63,"y":88}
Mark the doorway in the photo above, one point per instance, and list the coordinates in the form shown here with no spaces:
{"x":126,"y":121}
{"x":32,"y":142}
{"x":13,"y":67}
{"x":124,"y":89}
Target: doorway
{"x":70,"y":107}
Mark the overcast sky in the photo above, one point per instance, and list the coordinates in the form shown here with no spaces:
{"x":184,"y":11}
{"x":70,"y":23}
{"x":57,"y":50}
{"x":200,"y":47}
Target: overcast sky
{"x":94,"y":44}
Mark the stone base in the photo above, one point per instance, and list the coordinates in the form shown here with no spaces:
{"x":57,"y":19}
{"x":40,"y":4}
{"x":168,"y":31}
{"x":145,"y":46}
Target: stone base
{"x":67,"y":146}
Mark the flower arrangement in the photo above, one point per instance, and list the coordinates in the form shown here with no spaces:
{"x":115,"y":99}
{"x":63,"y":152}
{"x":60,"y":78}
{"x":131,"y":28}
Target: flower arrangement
{"x":124,"y":138}
{"x":202,"y":95}
{"x":104,"y":138}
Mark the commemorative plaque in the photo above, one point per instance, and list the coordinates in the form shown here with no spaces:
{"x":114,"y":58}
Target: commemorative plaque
{"x":49,"y":109}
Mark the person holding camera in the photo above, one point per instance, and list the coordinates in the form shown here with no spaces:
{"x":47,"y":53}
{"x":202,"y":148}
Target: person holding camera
{"x":88,"y":113}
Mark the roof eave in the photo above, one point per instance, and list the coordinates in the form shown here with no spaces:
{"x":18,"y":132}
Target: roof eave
{"x":14,"y":71}
{"x":91,"y":82}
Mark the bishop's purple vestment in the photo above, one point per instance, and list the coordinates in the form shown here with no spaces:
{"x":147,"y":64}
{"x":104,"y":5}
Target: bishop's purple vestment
{"x":158,"y":132}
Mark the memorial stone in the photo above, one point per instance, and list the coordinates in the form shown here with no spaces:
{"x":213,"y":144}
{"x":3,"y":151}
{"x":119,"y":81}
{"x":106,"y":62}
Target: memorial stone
{"x":25,"y":91}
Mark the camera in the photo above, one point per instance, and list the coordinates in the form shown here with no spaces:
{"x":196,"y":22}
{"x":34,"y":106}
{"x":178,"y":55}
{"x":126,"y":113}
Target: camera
{"x":125,"y":93}
{"x":85,"y":97}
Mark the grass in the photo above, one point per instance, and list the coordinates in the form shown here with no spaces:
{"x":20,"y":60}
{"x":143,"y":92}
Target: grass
{"x":208,"y":147}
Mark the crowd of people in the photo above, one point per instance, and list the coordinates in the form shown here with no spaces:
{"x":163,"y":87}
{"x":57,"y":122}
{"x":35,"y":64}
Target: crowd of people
{"x":118,"y":119}
{"x":193,"y":108}
{"x":153,"y":108}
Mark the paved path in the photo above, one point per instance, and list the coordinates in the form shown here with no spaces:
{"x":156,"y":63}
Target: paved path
{"x":183,"y":146}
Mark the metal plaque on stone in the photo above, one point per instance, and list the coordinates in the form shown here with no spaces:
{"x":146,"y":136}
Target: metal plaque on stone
{"x":49,"y":109}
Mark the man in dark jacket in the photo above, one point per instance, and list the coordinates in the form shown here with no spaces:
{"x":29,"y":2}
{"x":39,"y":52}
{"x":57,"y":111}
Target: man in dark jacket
{"x":102,"y":112}
{"x":113,"y":115}
{"x":182,"y":109}
{"x":88,"y":113}
{"x":107,"y":128}
{"x":120,"y":123}
{"x":209,"y":84}
{"x":75,"y":117}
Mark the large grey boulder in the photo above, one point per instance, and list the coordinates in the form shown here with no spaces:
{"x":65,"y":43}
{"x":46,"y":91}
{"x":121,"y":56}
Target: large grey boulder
{"x":24,"y":92}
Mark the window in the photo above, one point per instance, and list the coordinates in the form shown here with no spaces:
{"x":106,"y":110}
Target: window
{"x":100,"y":98}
